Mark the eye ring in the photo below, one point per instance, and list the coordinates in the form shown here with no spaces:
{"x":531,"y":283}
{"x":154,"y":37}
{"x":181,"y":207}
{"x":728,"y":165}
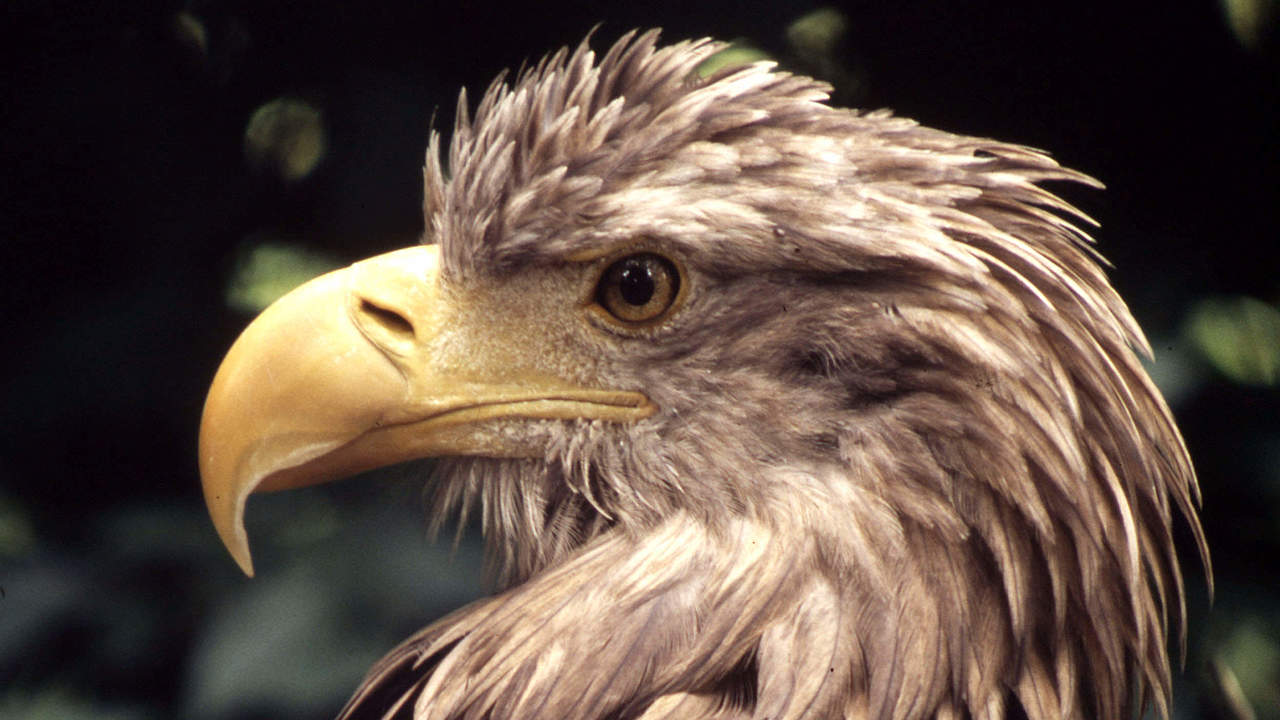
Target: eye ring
{"x":638,"y":289}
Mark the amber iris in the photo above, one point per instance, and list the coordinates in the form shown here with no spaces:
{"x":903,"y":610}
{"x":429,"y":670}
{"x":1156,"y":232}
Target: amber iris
{"x":638,"y":288}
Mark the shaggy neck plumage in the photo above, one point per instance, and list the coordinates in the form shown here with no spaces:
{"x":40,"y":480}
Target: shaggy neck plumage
{"x":968,"y":591}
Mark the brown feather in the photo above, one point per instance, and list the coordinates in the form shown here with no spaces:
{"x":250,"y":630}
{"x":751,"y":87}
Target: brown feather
{"x":907,"y":464}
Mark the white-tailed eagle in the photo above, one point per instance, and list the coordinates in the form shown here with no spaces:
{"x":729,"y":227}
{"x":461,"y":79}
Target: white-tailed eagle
{"x":770,"y":410}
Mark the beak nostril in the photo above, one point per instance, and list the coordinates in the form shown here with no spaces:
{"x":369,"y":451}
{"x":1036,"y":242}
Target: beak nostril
{"x":387,"y":318}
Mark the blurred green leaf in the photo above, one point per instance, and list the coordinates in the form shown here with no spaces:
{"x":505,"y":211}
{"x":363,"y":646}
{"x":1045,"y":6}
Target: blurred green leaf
{"x":737,"y":54}
{"x":1226,"y":695}
{"x":268,"y":270}
{"x":190,"y":31}
{"x":1238,"y":336}
{"x":1250,"y":20}
{"x":1252,"y":654}
{"x":58,"y":703}
{"x":817,"y":33}
{"x":287,"y":137}
{"x":17,"y":537}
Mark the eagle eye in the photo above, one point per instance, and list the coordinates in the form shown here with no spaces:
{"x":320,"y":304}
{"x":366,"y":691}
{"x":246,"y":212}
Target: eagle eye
{"x":638,"y":288}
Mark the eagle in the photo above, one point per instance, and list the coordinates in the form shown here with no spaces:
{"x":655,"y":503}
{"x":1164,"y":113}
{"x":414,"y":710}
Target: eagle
{"x":768,"y":409}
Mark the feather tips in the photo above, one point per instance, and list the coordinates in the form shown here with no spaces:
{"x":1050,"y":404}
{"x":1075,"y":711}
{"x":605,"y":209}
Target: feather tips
{"x":908,"y":463}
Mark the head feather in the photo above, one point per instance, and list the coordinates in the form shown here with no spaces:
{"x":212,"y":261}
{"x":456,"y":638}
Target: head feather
{"x":905,"y":362}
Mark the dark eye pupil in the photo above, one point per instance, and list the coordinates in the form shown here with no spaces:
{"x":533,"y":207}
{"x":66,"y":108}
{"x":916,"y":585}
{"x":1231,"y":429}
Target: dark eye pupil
{"x":635,"y":283}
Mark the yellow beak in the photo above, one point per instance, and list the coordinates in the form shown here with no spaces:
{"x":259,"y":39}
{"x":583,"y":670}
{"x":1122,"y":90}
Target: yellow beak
{"x":339,"y":377}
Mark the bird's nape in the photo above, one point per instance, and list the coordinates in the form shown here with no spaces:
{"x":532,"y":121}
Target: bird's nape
{"x":769,"y":409}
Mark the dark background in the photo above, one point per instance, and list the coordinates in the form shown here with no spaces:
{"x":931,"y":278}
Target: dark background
{"x":129,"y":204}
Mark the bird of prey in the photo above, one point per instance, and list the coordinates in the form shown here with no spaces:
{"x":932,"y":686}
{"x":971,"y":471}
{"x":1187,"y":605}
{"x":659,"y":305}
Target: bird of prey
{"x":769,"y":409}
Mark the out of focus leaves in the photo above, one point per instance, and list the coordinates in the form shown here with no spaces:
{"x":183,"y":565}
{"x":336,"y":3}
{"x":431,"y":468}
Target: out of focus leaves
{"x":286,"y":137}
{"x":1227,"y":698}
{"x":813,"y":47}
{"x":277,"y":646}
{"x":1253,"y":655}
{"x":738,"y":53}
{"x":1238,"y":336}
{"x":269,"y":269}
{"x":1251,"y":21}
{"x":190,"y":31}
{"x":817,"y":33}
{"x":294,"y":640}
{"x":16,"y":535}
{"x":1248,"y":665}
{"x":59,"y":703}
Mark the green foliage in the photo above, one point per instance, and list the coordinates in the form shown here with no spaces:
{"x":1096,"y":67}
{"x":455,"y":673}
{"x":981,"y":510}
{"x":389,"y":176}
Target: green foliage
{"x":17,"y":537}
{"x":737,"y":54}
{"x":1252,"y":653}
{"x":268,"y":270}
{"x":61,"y":703}
{"x":286,"y":137}
{"x":1251,"y":20}
{"x":1240,"y":337}
{"x":817,"y":33}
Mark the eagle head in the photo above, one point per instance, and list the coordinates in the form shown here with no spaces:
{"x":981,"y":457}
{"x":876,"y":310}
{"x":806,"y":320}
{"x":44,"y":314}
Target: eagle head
{"x":770,"y":410}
